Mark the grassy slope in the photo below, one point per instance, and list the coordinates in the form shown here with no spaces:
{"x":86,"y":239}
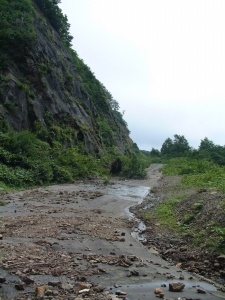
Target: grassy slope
{"x":195,"y":207}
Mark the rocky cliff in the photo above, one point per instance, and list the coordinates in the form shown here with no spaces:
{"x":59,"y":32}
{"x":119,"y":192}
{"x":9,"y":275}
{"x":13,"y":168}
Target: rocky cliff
{"x":46,"y":88}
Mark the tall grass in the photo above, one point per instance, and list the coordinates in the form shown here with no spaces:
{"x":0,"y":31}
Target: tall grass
{"x":197,"y":173}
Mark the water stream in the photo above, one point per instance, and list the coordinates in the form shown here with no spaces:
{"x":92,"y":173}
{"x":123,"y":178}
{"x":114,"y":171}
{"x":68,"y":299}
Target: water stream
{"x":138,"y":193}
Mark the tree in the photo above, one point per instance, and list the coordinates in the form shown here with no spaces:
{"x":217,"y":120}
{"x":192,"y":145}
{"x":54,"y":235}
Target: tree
{"x":167,"y":147}
{"x":155,"y":152}
{"x":177,"y":147}
{"x":181,"y":145}
{"x":213,"y":152}
{"x":206,"y":145}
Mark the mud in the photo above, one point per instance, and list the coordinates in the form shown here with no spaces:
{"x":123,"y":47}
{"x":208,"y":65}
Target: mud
{"x":84,"y":233}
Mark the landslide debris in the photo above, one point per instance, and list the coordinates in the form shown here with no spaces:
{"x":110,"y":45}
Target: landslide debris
{"x":186,"y":226}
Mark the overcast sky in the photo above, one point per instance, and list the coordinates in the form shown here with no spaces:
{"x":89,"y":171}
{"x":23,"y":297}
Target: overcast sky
{"x":162,"y":60}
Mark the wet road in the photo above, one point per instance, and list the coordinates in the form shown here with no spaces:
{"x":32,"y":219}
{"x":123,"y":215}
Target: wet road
{"x":100,"y":210}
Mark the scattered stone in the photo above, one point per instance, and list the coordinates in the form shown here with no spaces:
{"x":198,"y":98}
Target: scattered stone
{"x":83,"y":286}
{"x":40,"y":290}
{"x":84,"y":291}
{"x":170,"y":276}
{"x":183,"y":249}
{"x":133,"y":273}
{"x":19,"y":286}
{"x":176,"y":286}
{"x":1,"y":236}
{"x":201,"y":291}
{"x":221,"y":259}
{"x":27,"y":280}
{"x":48,"y":293}
{"x":2,"y":279}
{"x":54,"y":283}
{"x":121,"y":293}
{"x":66,"y":286}
{"x":179,"y":265}
{"x":161,"y":295}
{"x":158,"y":291}
{"x":121,"y":239}
{"x":98,"y":289}
{"x":55,"y":293}
{"x":102,"y":270}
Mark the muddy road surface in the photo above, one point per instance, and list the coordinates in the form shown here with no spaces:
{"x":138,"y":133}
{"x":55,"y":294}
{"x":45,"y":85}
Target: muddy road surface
{"x":80,"y":241}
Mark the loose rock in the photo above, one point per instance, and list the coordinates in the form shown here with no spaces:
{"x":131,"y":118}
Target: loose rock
{"x":176,"y":286}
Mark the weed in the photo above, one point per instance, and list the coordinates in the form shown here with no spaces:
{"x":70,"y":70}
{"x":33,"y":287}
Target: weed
{"x":201,"y":173}
{"x":24,"y":87}
{"x":106,"y":180}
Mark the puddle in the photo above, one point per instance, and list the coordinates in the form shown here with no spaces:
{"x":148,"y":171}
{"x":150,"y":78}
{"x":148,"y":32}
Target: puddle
{"x":132,"y":192}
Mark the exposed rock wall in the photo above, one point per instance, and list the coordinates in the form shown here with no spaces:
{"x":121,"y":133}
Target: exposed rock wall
{"x":47,"y":84}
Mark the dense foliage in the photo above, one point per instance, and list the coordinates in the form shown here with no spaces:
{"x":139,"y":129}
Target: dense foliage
{"x":194,"y":207}
{"x":22,"y":166}
{"x":58,"y":20}
{"x":179,"y":147}
{"x":63,"y":154}
{"x":200,"y":173}
{"x":16,"y":30}
{"x":97,"y":91}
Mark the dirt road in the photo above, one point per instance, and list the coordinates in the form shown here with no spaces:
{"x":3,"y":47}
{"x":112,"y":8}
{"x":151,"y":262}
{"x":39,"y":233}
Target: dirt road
{"x":74,"y":241}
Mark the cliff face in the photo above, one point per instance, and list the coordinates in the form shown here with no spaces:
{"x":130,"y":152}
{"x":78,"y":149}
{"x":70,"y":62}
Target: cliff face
{"x":47,"y":87}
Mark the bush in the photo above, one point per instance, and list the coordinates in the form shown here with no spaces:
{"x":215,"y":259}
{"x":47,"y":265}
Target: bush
{"x":43,"y":172}
{"x":134,"y":167}
{"x":61,"y":174}
{"x":197,"y":172}
{"x":16,"y":177}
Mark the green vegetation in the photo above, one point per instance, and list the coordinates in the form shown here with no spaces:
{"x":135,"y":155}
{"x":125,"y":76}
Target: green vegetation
{"x":165,"y":214}
{"x":56,"y":18}
{"x":202,"y":168}
{"x":29,"y":159}
{"x":202,"y":173}
{"x":16,"y":31}
{"x":135,"y":166}
{"x":177,"y":147}
{"x":54,"y":150}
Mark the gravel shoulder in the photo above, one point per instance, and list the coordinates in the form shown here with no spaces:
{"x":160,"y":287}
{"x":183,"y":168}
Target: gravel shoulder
{"x":74,"y":241}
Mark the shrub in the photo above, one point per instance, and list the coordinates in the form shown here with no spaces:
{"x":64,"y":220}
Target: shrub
{"x":61,"y":174}
{"x":134,"y":167}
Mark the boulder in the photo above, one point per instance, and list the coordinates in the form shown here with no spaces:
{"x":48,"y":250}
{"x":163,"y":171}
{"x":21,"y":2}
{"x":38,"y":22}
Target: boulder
{"x":176,"y":286}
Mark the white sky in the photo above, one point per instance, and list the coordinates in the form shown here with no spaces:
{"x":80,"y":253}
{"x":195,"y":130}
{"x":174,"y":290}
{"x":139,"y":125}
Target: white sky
{"x":162,"y":60}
